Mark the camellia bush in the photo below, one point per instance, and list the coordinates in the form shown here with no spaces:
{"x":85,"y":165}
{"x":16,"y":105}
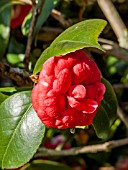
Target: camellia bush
{"x":54,"y":99}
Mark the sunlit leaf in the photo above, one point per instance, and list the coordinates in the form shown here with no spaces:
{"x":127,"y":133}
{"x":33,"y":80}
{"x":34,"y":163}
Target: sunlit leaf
{"x":21,"y":131}
{"x":81,"y":35}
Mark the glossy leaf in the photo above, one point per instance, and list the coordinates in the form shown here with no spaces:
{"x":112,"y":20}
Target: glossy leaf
{"x":46,"y":164}
{"x":81,"y":35}
{"x":5,"y":16}
{"x":21,"y":131}
{"x":45,"y":12}
{"x":106,"y":113}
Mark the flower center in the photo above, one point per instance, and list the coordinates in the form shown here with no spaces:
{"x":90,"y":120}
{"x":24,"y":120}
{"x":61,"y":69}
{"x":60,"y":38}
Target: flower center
{"x":77,"y":91}
{"x":77,"y":99}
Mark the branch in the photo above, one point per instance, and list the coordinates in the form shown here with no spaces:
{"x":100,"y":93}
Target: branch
{"x":66,"y":22}
{"x":30,"y":35}
{"x":107,"y":146}
{"x":19,"y":76}
{"x":115,"y":20}
{"x":112,"y":49}
{"x":122,"y":116}
{"x":25,"y":1}
{"x":120,"y":86}
{"x":35,"y":13}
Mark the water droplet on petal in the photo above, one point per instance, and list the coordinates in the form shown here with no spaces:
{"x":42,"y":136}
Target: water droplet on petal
{"x":72,"y":130}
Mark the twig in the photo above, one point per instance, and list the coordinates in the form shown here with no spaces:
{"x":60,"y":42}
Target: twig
{"x":30,"y":35}
{"x":122,"y":116}
{"x":112,"y":49}
{"x":61,"y":18}
{"x":25,"y":1}
{"x":115,"y":20}
{"x":20,"y":76}
{"x":35,"y":13}
{"x":120,"y":86}
{"x":107,"y":146}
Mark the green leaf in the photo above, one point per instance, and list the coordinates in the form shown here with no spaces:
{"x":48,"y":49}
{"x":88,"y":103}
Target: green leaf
{"x":45,"y":12}
{"x":101,"y":123}
{"x":46,"y":165}
{"x":2,"y":97}
{"x":14,"y":59}
{"x":5,"y":16}
{"x":106,"y":113}
{"x":21,"y":131}
{"x":14,"y":89}
{"x":110,"y":101}
{"x":81,"y":35}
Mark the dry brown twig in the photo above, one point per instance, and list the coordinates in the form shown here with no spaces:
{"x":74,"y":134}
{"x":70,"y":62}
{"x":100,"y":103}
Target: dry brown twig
{"x":107,"y":146}
{"x":61,"y":18}
{"x":122,"y":116}
{"x":25,"y":1}
{"x":120,"y":86}
{"x":115,"y":21}
{"x":30,"y":35}
{"x":19,"y":76}
{"x":35,"y":13}
{"x":112,"y":49}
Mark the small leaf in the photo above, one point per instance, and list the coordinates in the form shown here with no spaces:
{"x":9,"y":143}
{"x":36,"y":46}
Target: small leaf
{"x":46,"y":164}
{"x":45,"y":12}
{"x":14,"y":89}
{"x":21,"y":131}
{"x":8,"y":89}
{"x":81,"y":35}
{"x":106,"y":113}
{"x":14,"y":59}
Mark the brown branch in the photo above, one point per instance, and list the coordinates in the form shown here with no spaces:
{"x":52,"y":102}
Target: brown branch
{"x":120,"y":86}
{"x":122,"y":116}
{"x":115,"y":21}
{"x":25,"y":1}
{"x":61,"y":18}
{"x":107,"y":146}
{"x":30,"y":35}
{"x":19,"y":76}
{"x":112,"y":49}
{"x":35,"y":13}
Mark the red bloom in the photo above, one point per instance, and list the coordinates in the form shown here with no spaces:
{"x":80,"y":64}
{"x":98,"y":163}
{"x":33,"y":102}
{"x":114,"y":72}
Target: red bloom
{"x":19,"y":12}
{"x":69,"y":91}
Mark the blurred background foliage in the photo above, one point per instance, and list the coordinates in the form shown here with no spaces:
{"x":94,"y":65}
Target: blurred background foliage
{"x":56,"y":16}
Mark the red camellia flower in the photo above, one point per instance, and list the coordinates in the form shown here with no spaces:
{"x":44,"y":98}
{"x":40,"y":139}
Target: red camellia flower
{"x":19,"y":12}
{"x":69,"y":91}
